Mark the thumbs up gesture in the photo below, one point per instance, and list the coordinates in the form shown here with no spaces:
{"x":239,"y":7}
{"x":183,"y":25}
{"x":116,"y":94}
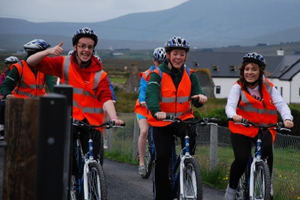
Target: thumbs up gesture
{"x":57,"y":50}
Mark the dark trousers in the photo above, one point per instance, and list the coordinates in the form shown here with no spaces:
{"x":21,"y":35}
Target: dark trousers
{"x":2,"y":111}
{"x":241,"y":146}
{"x":163,"y":141}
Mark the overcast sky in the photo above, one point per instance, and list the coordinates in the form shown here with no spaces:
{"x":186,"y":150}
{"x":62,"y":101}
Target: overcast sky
{"x":79,"y":10}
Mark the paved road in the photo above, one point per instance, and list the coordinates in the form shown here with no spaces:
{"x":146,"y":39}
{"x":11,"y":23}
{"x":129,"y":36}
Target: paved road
{"x":2,"y":146}
{"x":124,"y":182}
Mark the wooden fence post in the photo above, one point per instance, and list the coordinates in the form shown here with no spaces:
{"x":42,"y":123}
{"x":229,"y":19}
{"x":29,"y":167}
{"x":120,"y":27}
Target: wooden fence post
{"x":21,"y":118}
{"x":136,"y":133}
{"x":213,"y":156}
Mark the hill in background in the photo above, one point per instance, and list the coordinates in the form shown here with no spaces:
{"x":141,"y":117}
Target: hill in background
{"x":205,"y":24}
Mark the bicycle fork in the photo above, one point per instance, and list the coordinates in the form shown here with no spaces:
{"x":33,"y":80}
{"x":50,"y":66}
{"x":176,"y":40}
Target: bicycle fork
{"x":256,"y":158}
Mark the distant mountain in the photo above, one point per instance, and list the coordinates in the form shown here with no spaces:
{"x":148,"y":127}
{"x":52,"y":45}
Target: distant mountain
{"x":204,"y":23}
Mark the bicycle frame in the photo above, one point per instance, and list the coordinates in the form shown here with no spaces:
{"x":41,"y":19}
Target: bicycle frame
{"x":82,"y":162}
{"x":257,"y":163}
{"x":86,"y":163}
{"x":179,"y":161}
{"x":256,"y":158}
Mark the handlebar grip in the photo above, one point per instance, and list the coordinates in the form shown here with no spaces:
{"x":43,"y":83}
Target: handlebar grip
{"x":214,"y":120}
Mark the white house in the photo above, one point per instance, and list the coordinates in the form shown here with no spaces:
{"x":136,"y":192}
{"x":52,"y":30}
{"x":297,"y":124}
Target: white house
{"x":283,"y":71}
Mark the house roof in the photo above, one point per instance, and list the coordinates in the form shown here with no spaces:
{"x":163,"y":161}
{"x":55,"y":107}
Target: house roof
{"x":225,"y":64}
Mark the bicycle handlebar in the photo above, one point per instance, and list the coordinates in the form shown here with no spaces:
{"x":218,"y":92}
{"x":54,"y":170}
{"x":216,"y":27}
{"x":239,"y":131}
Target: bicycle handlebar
{"x":107,"y":125}
{"x":202,"y":121}
{"x":277,"y":126}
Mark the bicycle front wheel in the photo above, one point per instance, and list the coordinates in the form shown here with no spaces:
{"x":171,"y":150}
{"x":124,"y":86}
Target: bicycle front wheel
{"x":95,"y":186}
{"x":241,"y":191}
{"x":262,"y":182}
{"x":148,"y":159}
{"x":192,"y":181}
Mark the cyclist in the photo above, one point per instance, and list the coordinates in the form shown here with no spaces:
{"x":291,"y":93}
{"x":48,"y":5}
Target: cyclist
{"x":9,"y":61}
{"x":85,"y":73}
{"x":159,"y":55}
{"x":254,"y":98}
{"x":171,"y":90}
{"x":23,"y":81}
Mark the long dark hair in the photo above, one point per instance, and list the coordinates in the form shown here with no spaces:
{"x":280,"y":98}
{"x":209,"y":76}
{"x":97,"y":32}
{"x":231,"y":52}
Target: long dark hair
{"x":245,"y":84}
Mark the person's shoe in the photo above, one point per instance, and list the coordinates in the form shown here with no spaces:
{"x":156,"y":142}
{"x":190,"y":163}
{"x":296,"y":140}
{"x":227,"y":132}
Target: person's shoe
{"x":142,"y":170}
{"x":105,"y":144}
{"x":230,"y":193}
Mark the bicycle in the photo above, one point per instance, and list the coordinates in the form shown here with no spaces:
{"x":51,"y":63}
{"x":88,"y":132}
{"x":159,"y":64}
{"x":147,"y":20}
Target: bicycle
{"x":255,"y":183}
{"x":185,"y":174}
{"x":90,"y":181}
{"x":149,"y":155}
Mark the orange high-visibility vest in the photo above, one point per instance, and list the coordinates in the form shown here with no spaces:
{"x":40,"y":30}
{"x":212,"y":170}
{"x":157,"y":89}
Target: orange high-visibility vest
{"x":174,"y":101}
{"x":28,"y":86}
{"x":85,"y":102}
{"x":255,"y":111}
{"x":138,"y":108}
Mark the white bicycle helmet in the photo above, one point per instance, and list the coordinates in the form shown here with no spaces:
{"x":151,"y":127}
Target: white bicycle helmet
{"x":159,"y":54}
{"x":11,"y":60}
{"x":36,"y":45}
{"x":177,"y":43}
{"x":70,"y":52}
{"x":84,"y":32}
{"x":254,"y":57}
{"x":98,"y":57}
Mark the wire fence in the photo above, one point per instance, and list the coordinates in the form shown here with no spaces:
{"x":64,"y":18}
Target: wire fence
{"x":286,"y":152}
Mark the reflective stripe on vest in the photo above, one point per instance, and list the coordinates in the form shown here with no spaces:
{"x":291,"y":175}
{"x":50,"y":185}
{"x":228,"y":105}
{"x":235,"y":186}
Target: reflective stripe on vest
{"x":29,"y":85}
{"x":85,"y":102}
{"x":261,"y":113}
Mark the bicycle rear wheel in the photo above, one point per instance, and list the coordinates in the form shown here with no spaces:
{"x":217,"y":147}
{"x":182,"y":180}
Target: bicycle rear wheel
{"x":192,"y":180}
{"x":148,"y":159}
{"x":96,"y":183}
{"x":262,"y":182}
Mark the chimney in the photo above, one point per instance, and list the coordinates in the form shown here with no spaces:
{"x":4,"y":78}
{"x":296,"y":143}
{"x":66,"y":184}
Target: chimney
{"x":280,"y":52}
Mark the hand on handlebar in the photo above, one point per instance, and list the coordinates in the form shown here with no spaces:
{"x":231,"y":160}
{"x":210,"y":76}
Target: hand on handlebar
{"x":288,"y":124}
{"x":201,"y":98}
{"x":160,"y":115}
{"x":117,"y":121}
{"x":237,"y":118}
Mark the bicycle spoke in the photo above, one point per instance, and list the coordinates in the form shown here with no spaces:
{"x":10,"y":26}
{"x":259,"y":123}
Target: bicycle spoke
{"x":96,"y":182}
{"x":261,"y":182}
{"x":192,"y":180}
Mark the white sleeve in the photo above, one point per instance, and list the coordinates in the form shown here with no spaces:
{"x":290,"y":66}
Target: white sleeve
{"x":232,"y":101}
{"x":280,"y":105}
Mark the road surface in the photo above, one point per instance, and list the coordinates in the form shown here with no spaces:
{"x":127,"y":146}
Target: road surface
{"x":124,"y":182}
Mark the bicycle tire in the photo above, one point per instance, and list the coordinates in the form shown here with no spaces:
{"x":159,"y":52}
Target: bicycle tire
{"x":73,"y":188}
{"x":192,"y":180}
{"x":101,"y":151}
{"x":262,"y":182}
{"x":241,"y":191}
{"x":96,"y":182}
{"x":148,"y":159}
